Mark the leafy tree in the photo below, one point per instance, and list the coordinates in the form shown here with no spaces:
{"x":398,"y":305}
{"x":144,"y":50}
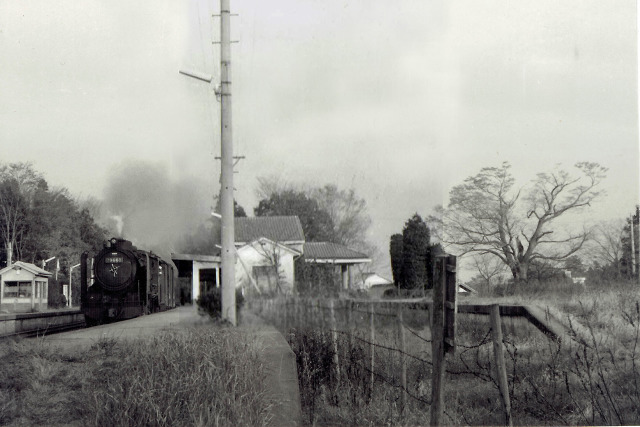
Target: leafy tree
{"x":18,"y":184}
{"x":316,"y":222}
{"x":37,"y":223}
{"x":238,"y":211}
{"x":395,"y":252}
{"x":13,"y":211}
{"x":486,"y":215}
{"x":348,"y":221}
{"x":415,"y":253}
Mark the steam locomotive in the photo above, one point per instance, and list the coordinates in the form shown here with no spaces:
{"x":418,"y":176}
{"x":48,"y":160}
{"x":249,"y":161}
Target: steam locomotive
{"x":122,"y":282}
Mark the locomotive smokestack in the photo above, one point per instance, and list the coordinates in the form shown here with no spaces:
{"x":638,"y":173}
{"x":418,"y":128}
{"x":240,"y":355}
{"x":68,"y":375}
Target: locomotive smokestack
{"x":119,"y":224}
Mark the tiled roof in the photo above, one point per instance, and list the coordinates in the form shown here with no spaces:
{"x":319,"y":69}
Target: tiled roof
{"x":330,"y":251}
{"x":281,"y":229}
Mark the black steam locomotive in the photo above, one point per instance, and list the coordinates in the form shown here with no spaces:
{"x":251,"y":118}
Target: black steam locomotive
{"x":121,"y":282}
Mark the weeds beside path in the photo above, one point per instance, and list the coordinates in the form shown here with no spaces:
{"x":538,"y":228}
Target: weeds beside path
{"x":201,"y":375}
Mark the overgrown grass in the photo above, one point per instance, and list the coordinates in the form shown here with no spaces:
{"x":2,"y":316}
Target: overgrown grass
{"x":596,"y":382}
{"x":200,"y":376}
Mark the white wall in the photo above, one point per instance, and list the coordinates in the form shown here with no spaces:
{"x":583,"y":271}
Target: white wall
{"x":257,"y":255}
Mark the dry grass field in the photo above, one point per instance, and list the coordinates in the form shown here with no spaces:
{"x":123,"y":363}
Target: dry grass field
{"x":591,"y":381}
{"x":202,"y":376}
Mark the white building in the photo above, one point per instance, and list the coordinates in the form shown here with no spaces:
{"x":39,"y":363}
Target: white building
{"x":266,"y":247}
{"x":23,"y":287}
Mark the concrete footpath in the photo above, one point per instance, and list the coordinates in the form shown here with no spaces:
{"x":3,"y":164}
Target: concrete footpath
{"x":279,"y":359}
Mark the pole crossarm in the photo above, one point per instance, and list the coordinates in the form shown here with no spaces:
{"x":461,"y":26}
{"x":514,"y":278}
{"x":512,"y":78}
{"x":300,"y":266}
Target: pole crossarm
{"x":197,"y":75}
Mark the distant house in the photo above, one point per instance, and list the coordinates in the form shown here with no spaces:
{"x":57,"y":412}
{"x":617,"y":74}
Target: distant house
{"x":266,"y":247}
{"x":23,"y":287}
{"x":328,"y":253}
{"x":578,"y":280}
{"x":266,"y":266}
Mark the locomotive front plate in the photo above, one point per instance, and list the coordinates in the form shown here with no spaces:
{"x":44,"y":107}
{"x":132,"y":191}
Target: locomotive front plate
{"x":115,"y":270}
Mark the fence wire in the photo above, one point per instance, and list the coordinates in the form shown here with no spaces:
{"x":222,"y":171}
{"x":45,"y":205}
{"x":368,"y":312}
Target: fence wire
{"x":313,"y":315}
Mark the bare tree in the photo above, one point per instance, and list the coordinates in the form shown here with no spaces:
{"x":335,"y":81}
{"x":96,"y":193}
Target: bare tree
{"x":489,"y":267}
{"x":270,"y":251}
{"x":436,"y":226}
{"x":272,"y":184}
{"x":348,"y":213}
{"x":486,"y":215}
{"x":606,"y":244}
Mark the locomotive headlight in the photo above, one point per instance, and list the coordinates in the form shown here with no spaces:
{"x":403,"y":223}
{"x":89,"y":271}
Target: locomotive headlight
{"x":113,"y":241}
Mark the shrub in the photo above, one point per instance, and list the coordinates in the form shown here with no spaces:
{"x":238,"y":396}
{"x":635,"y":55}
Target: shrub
{"x":55,"y":299}
{"x":210,"y":302}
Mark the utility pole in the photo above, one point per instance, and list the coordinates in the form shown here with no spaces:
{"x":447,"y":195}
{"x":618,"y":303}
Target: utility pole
{"x":633,"y":250}
{"x":226,"y":152}
{"x":223,"y":93}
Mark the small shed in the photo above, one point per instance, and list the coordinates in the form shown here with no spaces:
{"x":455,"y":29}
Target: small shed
{"x":23,"y":287}
{"x":196,"y":274}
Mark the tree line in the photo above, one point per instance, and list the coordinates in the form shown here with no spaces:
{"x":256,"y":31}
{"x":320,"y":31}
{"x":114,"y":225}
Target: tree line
{"x":38,"y":222}
{"x":326,"y":213}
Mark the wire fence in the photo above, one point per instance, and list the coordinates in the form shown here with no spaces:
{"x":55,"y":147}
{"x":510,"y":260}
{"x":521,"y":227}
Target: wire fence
{"x":381,"y":340}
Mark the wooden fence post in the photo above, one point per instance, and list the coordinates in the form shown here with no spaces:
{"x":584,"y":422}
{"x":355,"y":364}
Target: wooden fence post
{"x":372,"y":337}
{"x":334,"y":337}
{"x":403,"y":359}
{"x":501,"y":368}
{"x":437,"y":343}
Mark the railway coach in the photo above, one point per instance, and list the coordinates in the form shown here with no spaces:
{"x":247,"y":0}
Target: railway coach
{"x":121,"y":282}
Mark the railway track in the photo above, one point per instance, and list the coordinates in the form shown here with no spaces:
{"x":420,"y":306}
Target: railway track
{"x":40,"y":324}
{"x":53,"y":329}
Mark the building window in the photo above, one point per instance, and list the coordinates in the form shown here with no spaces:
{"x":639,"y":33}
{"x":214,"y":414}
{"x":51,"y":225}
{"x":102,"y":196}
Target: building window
{"x":17,"y":290}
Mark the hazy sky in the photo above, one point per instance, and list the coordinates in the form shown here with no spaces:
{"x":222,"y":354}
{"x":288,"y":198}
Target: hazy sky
{"x":398,"y":100}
